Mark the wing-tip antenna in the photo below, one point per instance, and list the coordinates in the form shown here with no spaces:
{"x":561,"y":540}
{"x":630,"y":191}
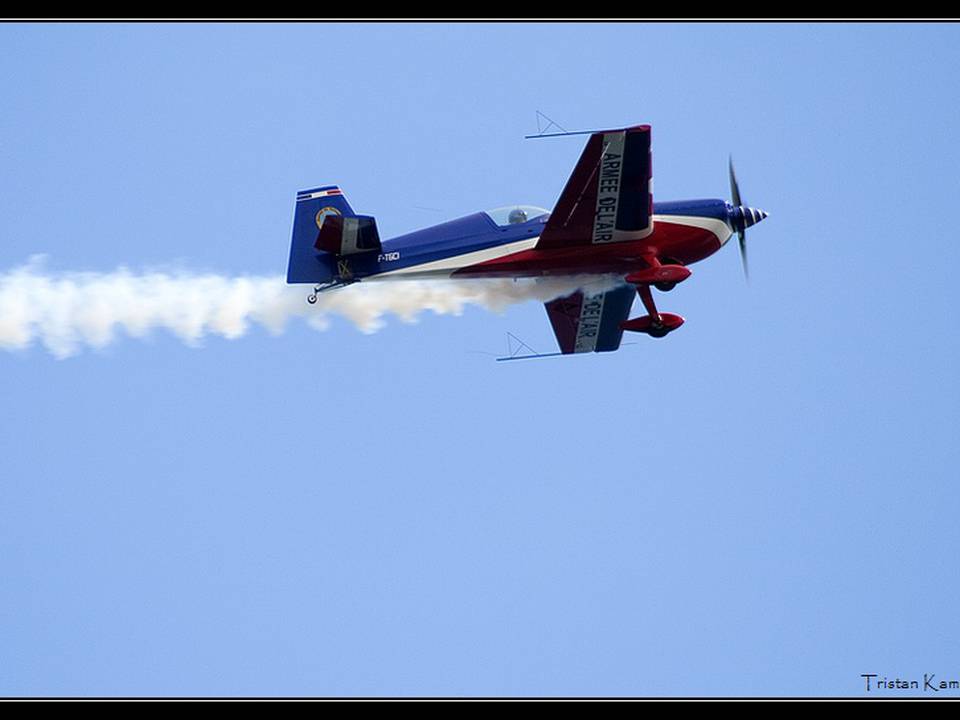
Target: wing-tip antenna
{"x":550,"y":122}
{"x":515,"y":345}
{"x":544,"y":127}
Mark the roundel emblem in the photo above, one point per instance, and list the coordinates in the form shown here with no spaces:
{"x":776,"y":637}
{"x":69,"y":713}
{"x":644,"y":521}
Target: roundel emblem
{"x":324,"y":212}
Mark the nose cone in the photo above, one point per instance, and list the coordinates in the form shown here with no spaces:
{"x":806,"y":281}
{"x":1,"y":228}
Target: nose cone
{"x":740,"y":217}
{"x":751,"y":216}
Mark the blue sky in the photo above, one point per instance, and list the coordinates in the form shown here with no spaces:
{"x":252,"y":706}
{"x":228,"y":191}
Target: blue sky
{"x":763,"y":503}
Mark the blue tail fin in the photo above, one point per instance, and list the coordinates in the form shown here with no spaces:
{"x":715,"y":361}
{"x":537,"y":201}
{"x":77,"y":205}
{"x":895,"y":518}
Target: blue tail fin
{"x":306,"y":265}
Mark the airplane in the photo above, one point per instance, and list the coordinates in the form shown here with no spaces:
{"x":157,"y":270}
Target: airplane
{"x":604,"y":223}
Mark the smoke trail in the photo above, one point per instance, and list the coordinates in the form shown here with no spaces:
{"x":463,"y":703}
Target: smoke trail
{"x":66,"y":311}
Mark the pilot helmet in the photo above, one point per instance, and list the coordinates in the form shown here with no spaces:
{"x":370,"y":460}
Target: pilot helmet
{"x":517,"y":215}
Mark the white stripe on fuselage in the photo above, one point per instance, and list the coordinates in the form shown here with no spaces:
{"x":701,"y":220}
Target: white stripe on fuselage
{"x":717,"y":227}
{"x":451,"y":264}
{"x":447,"y":266}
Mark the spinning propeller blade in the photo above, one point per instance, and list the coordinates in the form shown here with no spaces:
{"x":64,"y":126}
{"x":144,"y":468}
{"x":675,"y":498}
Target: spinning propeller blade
{"x":742,"y":217}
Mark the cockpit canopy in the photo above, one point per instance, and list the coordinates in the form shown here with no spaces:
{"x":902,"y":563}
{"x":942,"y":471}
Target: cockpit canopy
{"x":515,"y":214}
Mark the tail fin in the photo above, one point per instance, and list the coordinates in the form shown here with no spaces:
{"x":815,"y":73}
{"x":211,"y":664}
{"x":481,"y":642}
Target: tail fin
{"x":312,"y":206}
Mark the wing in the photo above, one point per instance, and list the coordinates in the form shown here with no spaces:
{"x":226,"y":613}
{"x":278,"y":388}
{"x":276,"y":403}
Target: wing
{"x":607,"y":198}
{"x":590,"y":323}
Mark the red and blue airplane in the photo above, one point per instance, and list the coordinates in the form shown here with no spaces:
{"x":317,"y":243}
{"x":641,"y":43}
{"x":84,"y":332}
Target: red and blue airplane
{"x":604,"y":223}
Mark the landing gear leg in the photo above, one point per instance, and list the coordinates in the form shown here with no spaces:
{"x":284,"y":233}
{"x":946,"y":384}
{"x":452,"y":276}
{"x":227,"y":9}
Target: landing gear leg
{"x":654,"y":323}
{"x":337,"y":282}
{"x":656,"y":328}
{"x":646,"y":296}
{"x":312,"y":297}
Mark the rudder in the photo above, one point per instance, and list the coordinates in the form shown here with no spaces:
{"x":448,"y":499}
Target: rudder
{"x":311,"y":208}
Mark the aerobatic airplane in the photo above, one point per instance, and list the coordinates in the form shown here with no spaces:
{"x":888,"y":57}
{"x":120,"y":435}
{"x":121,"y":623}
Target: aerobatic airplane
{"x":604,"y":223}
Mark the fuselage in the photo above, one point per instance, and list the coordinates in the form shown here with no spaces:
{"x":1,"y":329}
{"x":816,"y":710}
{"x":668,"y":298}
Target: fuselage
{"x":477,"y":246}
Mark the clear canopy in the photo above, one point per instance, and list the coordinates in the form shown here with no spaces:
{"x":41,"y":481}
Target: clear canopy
{"x":515,"y":214}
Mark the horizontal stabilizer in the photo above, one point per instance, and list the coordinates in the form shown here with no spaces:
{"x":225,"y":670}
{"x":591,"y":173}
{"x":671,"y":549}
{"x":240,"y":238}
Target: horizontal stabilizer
{"x":348,"y":235}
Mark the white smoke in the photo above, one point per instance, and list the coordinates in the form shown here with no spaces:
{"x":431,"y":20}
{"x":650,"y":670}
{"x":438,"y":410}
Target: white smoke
{"x":66,"y":311}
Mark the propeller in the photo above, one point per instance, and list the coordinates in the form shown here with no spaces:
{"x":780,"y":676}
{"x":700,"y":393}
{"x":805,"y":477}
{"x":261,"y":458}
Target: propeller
{"x":742,"y":217}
